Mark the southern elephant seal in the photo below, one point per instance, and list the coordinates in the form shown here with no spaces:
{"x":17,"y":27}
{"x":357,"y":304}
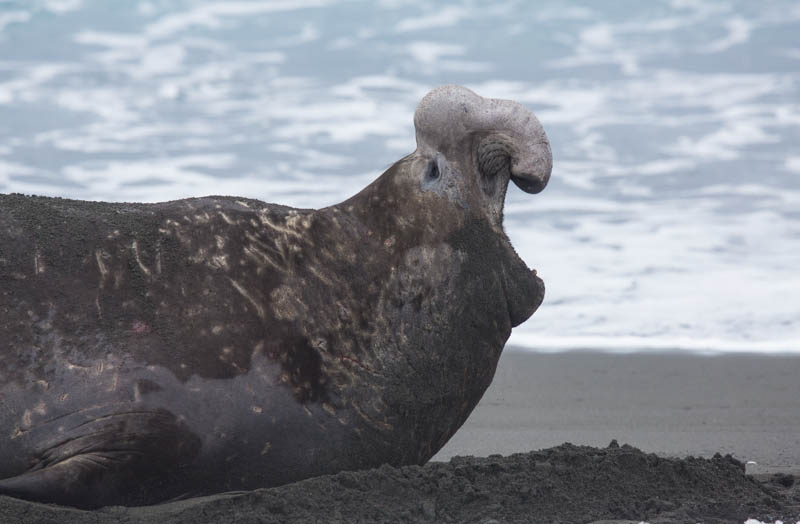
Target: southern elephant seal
{"x":157,"y":351}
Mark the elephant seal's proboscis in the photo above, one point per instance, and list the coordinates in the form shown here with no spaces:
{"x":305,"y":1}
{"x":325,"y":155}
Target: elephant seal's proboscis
{"x":158,"y":351}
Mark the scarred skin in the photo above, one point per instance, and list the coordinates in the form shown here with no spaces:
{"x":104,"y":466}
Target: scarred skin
{"x":158,"y":351}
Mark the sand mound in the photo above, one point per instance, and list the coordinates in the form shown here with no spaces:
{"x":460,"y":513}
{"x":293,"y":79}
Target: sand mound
{"x":563,"y":484}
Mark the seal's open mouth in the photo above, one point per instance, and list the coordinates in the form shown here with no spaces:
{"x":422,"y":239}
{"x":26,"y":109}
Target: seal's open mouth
{"x":523,"y":288}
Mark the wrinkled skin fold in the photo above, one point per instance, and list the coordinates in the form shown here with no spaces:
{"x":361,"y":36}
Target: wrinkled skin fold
{"x":159,"y":351}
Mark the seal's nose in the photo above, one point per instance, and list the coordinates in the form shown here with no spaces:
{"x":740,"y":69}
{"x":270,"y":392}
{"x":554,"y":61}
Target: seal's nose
{"x":533,"y":172}
{"x":449,"y":114}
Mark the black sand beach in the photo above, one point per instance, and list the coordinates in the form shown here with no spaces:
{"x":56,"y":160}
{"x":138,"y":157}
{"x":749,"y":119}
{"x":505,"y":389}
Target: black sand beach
{"x":670,"y":406}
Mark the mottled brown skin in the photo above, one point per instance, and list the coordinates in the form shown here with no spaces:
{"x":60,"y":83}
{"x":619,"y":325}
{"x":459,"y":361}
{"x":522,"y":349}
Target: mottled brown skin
{"x":156,"y":351}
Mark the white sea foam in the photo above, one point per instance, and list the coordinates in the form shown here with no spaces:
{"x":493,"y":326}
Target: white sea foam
{"x":793,"y":164}
{"x":213,"y":15}
{"x":756,"y":521}
{"x":63,"y":6}
{"x":9,"y":169}
{"x":13,"y":17}
{"x":431,"y":52}
{"x":444,"y":17}
{"x":739,"y":31}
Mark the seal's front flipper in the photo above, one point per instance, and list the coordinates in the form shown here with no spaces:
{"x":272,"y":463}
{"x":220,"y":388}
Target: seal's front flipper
{"x":85,"y":481}
{"x":128,"y":458}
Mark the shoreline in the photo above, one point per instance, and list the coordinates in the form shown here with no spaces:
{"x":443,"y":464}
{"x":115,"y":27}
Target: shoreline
{"x":524,"y":341}
{"x":672,"y":404}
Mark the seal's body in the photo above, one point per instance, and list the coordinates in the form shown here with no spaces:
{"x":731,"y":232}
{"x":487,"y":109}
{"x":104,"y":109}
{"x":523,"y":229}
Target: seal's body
{"x":157,"y":351}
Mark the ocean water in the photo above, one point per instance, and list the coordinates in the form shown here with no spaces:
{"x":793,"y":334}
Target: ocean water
{"x":672,"y":220}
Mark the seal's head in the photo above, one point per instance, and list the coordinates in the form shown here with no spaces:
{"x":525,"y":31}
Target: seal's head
{"x":481,"y":144}
{"x":468,"y":149}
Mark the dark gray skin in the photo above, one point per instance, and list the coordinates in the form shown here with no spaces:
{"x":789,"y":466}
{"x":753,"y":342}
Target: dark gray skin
{"x":158,"y":351}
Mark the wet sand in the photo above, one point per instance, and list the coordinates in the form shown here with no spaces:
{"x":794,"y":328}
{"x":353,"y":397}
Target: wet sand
{"x":670,"y":404}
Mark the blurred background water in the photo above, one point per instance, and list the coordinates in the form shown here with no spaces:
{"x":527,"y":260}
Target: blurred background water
{"x":672,"y":220}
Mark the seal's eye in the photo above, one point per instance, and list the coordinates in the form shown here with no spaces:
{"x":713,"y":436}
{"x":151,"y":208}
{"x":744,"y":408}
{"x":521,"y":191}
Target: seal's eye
{"x":432,"y":173}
